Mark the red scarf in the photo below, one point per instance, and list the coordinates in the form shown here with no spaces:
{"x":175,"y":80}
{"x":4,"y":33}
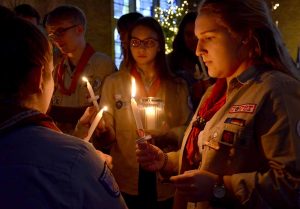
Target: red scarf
{"x":86,"y":55}
{"x":210,"y":106}
{"x":141,"y":87}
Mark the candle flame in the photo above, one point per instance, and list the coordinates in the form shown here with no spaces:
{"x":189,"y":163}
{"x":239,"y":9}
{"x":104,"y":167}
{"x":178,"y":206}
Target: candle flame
{"x":133,"y":87}
{"x":84,"y":79}
{"x":104,"y":108}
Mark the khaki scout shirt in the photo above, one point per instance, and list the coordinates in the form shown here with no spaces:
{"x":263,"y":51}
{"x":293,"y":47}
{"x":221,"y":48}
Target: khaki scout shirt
{"x":255,"y":138}
{"x":68,"y":109}
{"x":116,"y":95}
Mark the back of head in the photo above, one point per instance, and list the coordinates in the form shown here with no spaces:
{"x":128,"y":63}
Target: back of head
{"x":5,"y":13}
{"x":66,"y":13}
{"x":23,"y":48}
{"x":26,"y":10}
{"x":127,"y":20}
{"x":178,"y":43}
{"x":252,"y":19}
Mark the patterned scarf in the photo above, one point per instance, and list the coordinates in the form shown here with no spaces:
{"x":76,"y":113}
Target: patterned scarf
{"x":14,"y":116}
{"x":210,"y":106}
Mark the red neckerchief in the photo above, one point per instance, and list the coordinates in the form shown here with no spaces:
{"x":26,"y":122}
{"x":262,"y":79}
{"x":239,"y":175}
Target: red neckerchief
{"x":86,"y":55}
{"x":211,"y":105}
{"x":141,"y":87}
{"x":16,"y":116}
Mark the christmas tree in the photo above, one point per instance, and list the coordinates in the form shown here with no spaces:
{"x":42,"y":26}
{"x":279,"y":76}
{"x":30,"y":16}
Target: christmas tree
{"x":169,"y":19}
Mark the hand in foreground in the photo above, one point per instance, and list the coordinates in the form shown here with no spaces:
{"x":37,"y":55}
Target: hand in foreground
{"x":85,"y":122}
{"x":106,"y":158}
{"x":195,"y":185}
{"x":150,"y":157}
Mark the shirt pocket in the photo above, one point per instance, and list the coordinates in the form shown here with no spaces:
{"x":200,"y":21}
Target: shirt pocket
{"x":233,"y":136}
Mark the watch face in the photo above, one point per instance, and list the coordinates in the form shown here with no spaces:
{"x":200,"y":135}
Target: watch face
{"x":219,"y":191}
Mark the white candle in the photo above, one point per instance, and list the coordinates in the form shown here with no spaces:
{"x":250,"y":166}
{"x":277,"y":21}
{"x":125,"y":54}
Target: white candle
{"x":95,"y":123}
{"x":91,"y":91}
{"x":150,"y":117}
{"x":134,"y":107}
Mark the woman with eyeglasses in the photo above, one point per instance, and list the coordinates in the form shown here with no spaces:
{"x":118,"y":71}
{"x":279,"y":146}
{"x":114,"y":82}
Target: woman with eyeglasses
{"x":146,"y":64}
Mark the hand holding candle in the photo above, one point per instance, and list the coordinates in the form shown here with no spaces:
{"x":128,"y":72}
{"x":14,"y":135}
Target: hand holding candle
{"x":91,"y":91}
{"x":95,"y":123}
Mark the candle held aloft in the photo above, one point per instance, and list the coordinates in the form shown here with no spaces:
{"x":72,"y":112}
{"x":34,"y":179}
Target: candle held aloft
{"x":95,"y":123}
{"x":134,"y":106}
{"x":91,"y":92}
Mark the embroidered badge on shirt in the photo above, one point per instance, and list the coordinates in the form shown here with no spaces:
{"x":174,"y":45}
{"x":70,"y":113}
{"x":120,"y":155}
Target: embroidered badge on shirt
{"x":236,"y":121}
{"x":212,"y":141}
{"x":109,"y":182}
{"x":96,"y":84}
{"x":298,"y":128}
{"x":244,"y":108}
{"x":227,"y":138}
{"x":119,"y":104}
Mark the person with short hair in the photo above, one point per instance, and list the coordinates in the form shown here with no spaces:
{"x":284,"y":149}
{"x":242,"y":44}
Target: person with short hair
{"x":241,"y":150}
{"x":40,"y":167}
{"x":28,"y":13}
{"x":66,"y":26}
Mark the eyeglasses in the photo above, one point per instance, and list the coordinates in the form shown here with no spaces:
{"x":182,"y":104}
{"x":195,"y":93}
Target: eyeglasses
{"x":147,"y":43}
{"x":60,"y":32}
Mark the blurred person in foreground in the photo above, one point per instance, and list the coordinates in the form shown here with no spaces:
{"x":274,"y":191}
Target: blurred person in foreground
{"x":40,"y":167}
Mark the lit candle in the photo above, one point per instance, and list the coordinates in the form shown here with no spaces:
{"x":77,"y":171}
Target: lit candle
{"x":91,"y":91}
{"x":150,"y":117}
{"x":134,"y":106}
{"x":95,"y":123}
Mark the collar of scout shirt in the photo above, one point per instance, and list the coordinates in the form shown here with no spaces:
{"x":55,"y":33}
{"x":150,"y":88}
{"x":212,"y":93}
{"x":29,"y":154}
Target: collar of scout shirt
{"x":245,"y":77}
{"x":248,"y":74}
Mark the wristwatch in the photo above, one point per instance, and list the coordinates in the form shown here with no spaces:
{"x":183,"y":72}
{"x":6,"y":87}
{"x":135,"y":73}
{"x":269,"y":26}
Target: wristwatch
{"x":219,"y":190}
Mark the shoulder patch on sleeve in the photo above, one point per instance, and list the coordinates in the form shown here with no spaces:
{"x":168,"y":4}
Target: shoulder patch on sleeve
{"x":109,"y":183}
{"x":298,"y":128}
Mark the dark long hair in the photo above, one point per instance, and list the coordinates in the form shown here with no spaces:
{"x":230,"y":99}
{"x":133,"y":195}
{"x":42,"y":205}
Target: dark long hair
{"x":179,"y":43}
{"x":160,"y":60}
{"x":180,"y":50}
{"x":253,"y":18}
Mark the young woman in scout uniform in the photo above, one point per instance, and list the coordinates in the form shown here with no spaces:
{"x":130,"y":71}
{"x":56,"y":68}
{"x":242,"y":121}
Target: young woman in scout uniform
{"x":248,"y":128}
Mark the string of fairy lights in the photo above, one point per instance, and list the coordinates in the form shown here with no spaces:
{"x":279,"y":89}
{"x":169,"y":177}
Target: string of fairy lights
{"x":275,"y":6}
{"x":169,"y":19}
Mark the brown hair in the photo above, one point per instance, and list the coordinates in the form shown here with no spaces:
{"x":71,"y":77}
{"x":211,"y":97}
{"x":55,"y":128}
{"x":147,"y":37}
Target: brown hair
{"x":67,"y":12}
{"x":253,"y":18}
{"x":160,"y":60}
